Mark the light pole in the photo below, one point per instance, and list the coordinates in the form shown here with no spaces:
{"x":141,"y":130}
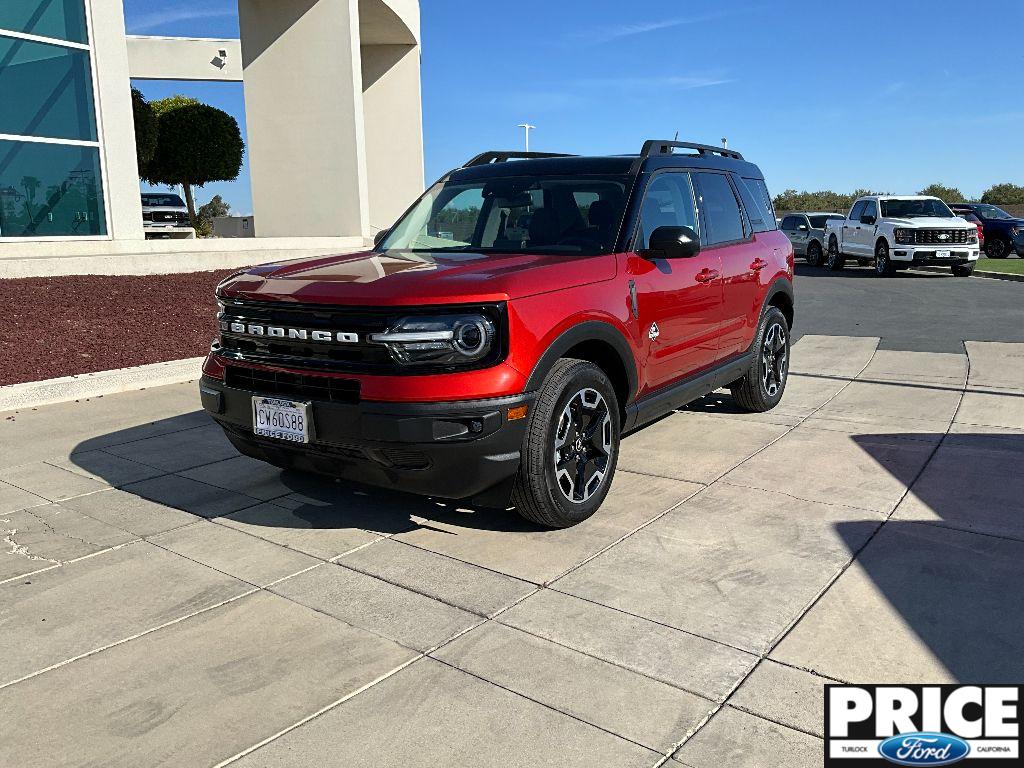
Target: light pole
{"x":527,"y":127}
{"x":725,"y":143}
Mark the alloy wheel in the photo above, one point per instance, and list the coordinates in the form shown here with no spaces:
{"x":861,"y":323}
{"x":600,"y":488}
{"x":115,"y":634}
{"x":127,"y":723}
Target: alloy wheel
{"x":774,"y":360}
{"x":882,"y":259}
{"x":583,"y":445}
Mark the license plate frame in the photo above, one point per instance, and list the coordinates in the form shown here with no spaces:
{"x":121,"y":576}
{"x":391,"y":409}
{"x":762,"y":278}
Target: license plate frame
{"x":280,"y":419}
{"x":943,"y":254}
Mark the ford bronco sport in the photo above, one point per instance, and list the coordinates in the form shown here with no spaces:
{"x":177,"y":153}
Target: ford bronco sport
{"x":499,"y":339}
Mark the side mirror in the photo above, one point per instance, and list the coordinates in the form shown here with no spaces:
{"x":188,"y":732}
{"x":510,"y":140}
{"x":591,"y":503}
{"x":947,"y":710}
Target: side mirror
{"x":868,"y":219}
{"x":673,"y":243}
{"x":379,"y":237}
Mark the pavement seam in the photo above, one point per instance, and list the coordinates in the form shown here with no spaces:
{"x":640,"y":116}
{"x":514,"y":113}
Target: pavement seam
{"x":835,"y":578}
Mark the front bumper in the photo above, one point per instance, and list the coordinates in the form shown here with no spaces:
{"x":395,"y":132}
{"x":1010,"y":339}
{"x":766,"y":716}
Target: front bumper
{"x":926,"y":254}
{"x":451,"y":450}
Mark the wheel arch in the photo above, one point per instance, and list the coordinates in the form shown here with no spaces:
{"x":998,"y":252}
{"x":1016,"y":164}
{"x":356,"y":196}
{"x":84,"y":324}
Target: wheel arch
{"x":599,"y":343}
{"x":780,"y":295}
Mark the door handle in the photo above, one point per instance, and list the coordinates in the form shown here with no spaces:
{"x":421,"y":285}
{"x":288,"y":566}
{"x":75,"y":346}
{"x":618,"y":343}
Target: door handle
{"x":758,"y":265}
{"x":707,"y":275}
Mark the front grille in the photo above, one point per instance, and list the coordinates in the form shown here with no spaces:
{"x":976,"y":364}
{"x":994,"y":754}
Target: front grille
{"x":941,"y":236}
{"x":295,"y":386}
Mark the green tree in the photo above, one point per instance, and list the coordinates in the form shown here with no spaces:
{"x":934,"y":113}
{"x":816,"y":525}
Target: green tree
{"x":197,"y":144}
{"x":1004,"y":194}
{"x":207,"y":213}
{"x":146,"y":129}
{"x":948,"y":195}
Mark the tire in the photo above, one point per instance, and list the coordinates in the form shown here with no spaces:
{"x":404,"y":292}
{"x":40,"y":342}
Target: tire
{"x":963,"y":270}
{"x":765,"y":383}
{"x":577,"y":398}
{"x":883,"y":264}
{"x":835,"y":261}
{"x":814,"y":255}
{"x":997,"y":248}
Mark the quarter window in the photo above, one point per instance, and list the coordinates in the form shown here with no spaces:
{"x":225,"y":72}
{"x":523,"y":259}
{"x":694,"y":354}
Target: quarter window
{"x":668,"y":202}
{"x":758,"y":204}
{"x":721,"y":209}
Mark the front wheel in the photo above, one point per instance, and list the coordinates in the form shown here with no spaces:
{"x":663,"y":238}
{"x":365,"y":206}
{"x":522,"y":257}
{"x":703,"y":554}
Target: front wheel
{"x":996,"y":248}
{"x":883,"y":264}
{"x":963,"y":270}
{"x":571,"y":446}
{"x":835,"y":260}
{"x":814,"y":254}
{"x":765,"y":383}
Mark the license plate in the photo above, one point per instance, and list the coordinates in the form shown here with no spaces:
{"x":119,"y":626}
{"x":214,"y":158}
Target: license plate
{"x":943,"y":254}
{"x":280,"y":419}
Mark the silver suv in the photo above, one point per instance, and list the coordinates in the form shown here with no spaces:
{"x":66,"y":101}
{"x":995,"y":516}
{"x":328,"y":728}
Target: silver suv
{"x":165,"y":215}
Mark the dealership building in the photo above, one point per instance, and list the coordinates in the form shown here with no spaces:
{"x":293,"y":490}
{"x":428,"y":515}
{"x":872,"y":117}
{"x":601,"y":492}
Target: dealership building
{"x":333,"y":113}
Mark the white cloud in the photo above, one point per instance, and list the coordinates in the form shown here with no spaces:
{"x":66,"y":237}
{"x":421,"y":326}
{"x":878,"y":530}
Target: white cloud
{"x":614,"y":32}
{"x":670,"y":82}
{"x":154,"y":20}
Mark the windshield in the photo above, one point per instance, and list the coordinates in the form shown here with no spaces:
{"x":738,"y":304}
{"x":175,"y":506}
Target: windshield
{"x":818,"y":222}
{"x":170,"y":201}
{"x":991,"y":212}
{"x":911,"y":209}
{"x":524,"y":214}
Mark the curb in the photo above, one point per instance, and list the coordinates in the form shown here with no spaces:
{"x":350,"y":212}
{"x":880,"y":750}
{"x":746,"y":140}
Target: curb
{"x":987,"y":275}
{"x":36,"y":393}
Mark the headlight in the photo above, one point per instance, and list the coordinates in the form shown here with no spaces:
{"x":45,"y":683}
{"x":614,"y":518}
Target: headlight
{"x":972,"y":237}
{"x":448,"y":339}
{"x":904,"y":235}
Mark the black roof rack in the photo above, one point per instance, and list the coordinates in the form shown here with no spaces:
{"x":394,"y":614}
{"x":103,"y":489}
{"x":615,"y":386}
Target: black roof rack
{"x":654,"y":147}
{"x":493,"y":156}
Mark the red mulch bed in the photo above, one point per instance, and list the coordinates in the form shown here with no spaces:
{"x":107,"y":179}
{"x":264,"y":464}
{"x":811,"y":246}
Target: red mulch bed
{"x":61,"y":326}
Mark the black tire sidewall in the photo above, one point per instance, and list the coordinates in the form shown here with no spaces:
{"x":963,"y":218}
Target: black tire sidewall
{"x":882,"y":268}
{"x":586,"y":376}
{"x":772,"y":317}
{"x":814,"y":254}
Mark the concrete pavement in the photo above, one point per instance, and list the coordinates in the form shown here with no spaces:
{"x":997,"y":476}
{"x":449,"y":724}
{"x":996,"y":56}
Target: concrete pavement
{"x":164,"y":601}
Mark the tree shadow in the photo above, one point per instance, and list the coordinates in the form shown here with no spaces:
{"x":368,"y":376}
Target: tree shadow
{"x":951,"y":561}
{"x":305,"y":500}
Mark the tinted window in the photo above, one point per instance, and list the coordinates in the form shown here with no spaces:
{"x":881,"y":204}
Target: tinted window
{"x":858,"y":210}
{"x":172,"y":201}
{"x":789,"y":222}
{"x":909,"y":209}
{"x":818,"y":222}
{"x":45,"y":90}
{"x":49,"y":190}
{"x":668,"y":202}
{"x":63,"y":20}
{"x":870,"y":209}
{"x":721,"y":209}
{"x":759,"y":207}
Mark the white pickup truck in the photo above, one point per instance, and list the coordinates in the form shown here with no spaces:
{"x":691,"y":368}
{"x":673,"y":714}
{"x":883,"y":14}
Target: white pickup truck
{"x":899,"y":232}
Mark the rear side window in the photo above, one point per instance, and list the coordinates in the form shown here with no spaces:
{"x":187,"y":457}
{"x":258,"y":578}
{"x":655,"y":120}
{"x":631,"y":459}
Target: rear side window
{"x":721,"y":208}
{"x":668,"y":202}
{"x":758,"y":203}
{"x":858,"y":210}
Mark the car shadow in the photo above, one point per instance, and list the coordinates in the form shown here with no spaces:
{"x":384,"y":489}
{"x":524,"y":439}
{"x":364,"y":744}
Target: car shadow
{"x":856,"y":272}
{"x":951,"y":559}
{"x":311,"y":501}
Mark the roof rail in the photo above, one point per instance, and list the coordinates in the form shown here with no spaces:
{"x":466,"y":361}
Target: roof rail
{"x":654,"y":147}
{"x":493,"y":156}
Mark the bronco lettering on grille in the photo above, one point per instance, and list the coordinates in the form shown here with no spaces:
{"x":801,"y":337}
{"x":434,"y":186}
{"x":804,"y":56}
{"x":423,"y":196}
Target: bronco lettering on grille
{"x":299,"y":334}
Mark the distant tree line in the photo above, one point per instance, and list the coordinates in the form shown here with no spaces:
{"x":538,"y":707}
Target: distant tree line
{"x":791,"y":200}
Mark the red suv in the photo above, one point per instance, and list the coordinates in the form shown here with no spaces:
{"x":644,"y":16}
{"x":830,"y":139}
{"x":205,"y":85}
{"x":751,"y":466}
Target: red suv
{"x":499,"y":339}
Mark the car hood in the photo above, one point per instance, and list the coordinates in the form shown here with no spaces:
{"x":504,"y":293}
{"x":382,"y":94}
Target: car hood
{"x":932,"y":222}
{"x":405,"y":278}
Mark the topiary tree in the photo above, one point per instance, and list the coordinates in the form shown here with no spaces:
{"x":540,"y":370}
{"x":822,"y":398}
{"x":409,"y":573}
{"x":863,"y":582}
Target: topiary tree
{"x":197,"y":144}
{"x":1004,"y":194}
{"x":146,"y":129}
{"x":948,"y":195}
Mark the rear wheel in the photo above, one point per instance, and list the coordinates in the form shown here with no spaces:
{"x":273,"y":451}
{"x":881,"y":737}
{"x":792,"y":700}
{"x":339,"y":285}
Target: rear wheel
{"x":835,"y":260}
{"x":814,"y":254}
{"x":963,"y":270}
{"x":997,"y":248}
{"x":883,"y":264}
{"x":571,"y":447}
{"x":765,"y":383}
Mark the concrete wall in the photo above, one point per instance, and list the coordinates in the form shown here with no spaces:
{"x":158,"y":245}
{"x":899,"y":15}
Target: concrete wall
{"x":180,"y":58}
{"x":117,"y":124}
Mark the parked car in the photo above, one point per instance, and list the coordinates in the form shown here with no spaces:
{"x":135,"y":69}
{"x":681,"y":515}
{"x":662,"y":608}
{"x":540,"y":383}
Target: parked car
{"x":806,"y":231}
{"x":1004,"y":234}
{"x":900,"y":232}
{"x":504,"y":369}
{"x":165,"y":215}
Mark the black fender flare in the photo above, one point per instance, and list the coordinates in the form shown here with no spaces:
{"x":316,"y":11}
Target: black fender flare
{"x":589,"y":330}
{"x":782,"y":286}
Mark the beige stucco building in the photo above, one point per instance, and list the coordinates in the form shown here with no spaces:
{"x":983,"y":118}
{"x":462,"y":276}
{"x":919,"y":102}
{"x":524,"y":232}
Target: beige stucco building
{"x":333,"y":112}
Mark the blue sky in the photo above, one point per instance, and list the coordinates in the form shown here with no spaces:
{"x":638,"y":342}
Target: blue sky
{"x":820,"y":95}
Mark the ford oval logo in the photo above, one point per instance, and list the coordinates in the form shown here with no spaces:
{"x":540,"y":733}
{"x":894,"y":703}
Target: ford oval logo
{"x":924,"y":749}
